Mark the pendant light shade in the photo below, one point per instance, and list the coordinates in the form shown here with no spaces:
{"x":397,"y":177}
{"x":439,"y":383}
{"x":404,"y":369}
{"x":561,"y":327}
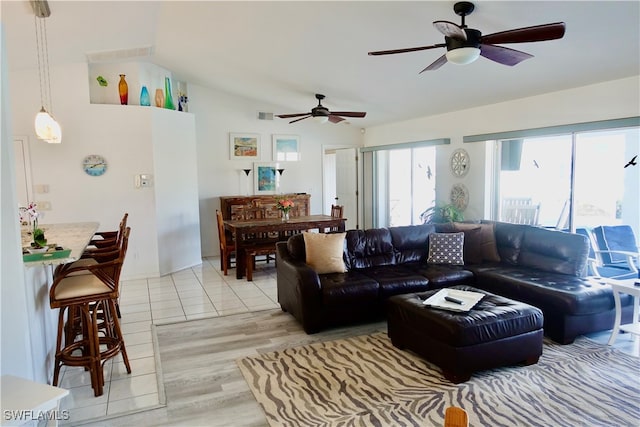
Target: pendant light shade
{"x":47,"y":128}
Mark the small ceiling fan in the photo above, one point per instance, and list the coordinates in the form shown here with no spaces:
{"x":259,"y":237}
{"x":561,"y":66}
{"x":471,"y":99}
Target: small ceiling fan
{"x":464,"y":45}
{"x":322,"y":114}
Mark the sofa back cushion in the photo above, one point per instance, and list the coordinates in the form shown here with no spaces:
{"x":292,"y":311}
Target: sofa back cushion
{"x":411,"y":242}
{"x":367,"y":248}
{"x":509,"y":241}
{"x":554,"y":251}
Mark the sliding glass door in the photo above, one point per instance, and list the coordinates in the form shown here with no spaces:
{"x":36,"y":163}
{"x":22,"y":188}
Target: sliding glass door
{"x":574,"y":180}
{"x":605,"y":191}
{"x":535,"y":180}
{"x":405,"y":182}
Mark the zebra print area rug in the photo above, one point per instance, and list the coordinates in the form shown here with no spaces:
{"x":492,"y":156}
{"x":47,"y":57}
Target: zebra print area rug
{"x":366,"y":381}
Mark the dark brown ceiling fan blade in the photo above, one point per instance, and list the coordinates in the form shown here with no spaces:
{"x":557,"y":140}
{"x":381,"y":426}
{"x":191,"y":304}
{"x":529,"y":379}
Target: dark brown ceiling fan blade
{"x":409,"y":49}
{"x":348,"y":113}
{"x":289,"y":116}
{"x":301,"y":118}
{"x":537,"y":33}
{"x":503,"y":55}
{"x":450,"y":29}
{"x":335,"y":119}
{"x":436,"y":64}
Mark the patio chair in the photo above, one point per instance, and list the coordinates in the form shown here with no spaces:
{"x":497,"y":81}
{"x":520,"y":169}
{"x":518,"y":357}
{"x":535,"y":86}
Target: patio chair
{"x":615,"y":251}
{"x":520,"y":211}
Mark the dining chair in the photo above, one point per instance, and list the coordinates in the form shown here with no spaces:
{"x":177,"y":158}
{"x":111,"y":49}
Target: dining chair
{"x":89,"y":300}
{"x":268,"y":249}
{"x":227,"y":245}
{"x":336,"y":212}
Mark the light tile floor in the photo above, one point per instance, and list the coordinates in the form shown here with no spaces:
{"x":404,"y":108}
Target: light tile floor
{"x":197,"y":292}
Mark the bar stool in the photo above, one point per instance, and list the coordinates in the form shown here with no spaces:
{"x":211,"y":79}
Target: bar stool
{"x":106,"y":239}
{"x":100,"y":254}
{"x":86,"y":297}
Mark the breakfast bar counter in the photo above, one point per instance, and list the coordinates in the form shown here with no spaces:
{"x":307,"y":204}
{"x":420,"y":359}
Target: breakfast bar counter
{"x":38,"y":275}
{"x":72,"y":235}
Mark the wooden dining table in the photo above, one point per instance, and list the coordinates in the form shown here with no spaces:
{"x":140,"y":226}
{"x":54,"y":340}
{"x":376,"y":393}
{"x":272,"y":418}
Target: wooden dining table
{"x":244,"y":231}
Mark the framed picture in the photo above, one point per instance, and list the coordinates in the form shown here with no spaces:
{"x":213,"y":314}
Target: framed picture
{"x":244,"y":146}
{"x":286,"y":148}
{"x":265,"y":177}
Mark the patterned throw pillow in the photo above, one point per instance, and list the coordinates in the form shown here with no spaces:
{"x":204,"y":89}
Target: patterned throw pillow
{"x":446,"y":248}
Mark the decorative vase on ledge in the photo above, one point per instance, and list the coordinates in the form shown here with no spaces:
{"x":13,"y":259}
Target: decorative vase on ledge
{"x":123,"y":90}
{"x":285,"y":216}
{"x":159,"y":98}
{"x":144,"y":97}
{"x":168,"y":98}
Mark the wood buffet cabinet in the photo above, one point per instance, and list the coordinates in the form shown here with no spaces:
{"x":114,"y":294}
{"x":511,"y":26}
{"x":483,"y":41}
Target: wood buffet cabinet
{"x":235,"y":207}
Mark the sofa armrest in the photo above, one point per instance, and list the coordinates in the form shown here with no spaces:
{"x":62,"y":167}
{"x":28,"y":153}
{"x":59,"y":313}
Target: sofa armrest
{"x":299,"y":289}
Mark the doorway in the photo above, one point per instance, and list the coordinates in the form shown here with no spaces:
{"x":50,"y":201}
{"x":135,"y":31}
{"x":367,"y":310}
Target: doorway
{"x":341,"y":181}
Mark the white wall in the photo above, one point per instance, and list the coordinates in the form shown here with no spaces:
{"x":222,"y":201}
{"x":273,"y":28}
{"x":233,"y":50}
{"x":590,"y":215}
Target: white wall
{"x":127,"y":137}
{"x":217,"y":114}
{"x":608,"y":100}
{"x":176,"y":190}
{"x":15,"y":356}
{"x":114,"y":131}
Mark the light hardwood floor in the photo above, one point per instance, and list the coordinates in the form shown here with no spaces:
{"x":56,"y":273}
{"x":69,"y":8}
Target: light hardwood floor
{"x":202,"y":383}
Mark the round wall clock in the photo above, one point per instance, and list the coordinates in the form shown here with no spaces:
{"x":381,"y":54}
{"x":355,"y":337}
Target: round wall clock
{"x":460,"y":196}
{"x":94,"y":165}
{"x":460,"y":162}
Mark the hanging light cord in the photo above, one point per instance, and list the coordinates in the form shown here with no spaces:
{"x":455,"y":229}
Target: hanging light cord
{"x":43,"y":64}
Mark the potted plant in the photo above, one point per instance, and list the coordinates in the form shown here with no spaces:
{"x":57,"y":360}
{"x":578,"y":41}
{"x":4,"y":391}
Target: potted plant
{"x":443,"y":213}
{"x":32,"y":214}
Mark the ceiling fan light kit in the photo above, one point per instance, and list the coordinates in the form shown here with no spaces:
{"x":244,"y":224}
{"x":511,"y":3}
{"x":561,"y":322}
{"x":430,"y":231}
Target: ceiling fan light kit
{"x":465,"y":45}
{"x":463,"y":55}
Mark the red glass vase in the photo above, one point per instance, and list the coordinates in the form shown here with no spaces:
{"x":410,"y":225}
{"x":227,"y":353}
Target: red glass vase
{"x":123,"y":89}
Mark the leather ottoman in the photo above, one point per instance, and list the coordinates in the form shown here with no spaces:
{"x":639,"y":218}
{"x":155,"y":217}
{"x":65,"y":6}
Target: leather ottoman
{"x":496,"y":332}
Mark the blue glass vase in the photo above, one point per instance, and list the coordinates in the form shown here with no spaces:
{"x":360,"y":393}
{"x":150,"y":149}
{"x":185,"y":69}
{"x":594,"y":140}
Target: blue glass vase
{"x":168,"y":98}
{"x":144,"y":97}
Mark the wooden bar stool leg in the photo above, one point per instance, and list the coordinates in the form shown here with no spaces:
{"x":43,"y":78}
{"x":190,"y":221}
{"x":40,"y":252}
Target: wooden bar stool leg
{"x":118,"y":334}
{"x":97,"y":375}
{"x":56,"y":368}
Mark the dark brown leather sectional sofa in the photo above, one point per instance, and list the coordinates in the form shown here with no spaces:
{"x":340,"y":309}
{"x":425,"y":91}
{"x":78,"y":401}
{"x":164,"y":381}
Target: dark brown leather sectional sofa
{"x":541,"y":267}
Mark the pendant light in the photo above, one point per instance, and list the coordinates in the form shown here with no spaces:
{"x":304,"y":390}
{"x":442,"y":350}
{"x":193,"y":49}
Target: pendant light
{"x":47,"y":128}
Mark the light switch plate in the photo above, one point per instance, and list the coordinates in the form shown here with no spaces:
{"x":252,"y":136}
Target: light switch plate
{"x":144,"y":181}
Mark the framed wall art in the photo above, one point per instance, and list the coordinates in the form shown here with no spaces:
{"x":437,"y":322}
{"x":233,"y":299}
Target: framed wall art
{"x":286,"y":148}
{"x":265,"y":177}
{"x":244,"y":146}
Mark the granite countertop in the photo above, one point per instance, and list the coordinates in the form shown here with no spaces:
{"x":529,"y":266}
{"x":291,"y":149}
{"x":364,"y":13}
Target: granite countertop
{"x":72,"y":235}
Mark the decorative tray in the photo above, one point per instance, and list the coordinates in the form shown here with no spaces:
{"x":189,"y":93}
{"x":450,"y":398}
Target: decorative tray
{"x":52,"y":252}
{"x":466,"y":300}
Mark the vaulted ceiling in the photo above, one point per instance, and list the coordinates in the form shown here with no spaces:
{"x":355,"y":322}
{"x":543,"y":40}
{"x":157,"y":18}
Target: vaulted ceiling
{"x":282,"y":53}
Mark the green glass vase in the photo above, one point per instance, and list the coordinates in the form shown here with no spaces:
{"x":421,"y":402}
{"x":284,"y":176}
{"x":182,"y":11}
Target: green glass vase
{"x":168,"y":97}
